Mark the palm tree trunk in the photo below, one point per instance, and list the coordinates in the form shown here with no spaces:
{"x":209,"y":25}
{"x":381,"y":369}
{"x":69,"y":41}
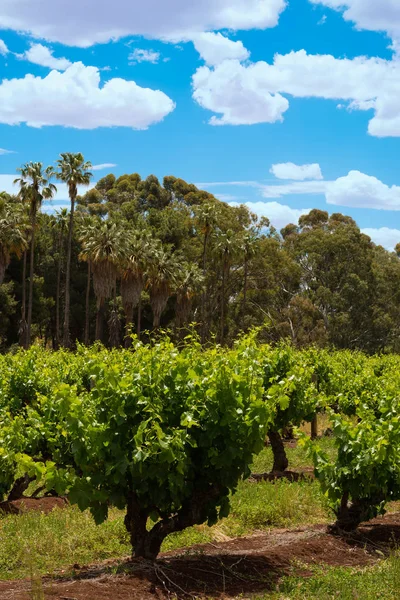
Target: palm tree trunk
{"x":58,"y":332}
{"x":22,"y":326}
{"x":31,"y":270}
{"x":203,"y":294}
{"x":87,"y":308}
{"x":128,"y":325}
{"x":100,"y":321}
{"x":139,"y":318}
{"x":66,"y":337}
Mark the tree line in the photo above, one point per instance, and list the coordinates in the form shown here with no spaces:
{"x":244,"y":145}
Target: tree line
{"x":137,"y":254}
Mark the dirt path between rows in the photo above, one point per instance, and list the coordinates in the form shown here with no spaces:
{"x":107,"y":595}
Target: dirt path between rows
{"x":227,"y":569}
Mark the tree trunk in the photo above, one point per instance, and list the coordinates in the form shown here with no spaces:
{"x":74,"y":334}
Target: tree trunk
{"x":139,"y":318}
{"x":23,"y":324}
{"x":203,"y":293}
{"x":31,"y":270}
{"x":67,"y":308}
{"x":246,"y":268}
{"x":128,"y":325}
{"x":314,"y":428}
{"x":147,"y":544}
{"x":20,"y":486}
{"x":100,"y":321}
{"x":281,"y":462}
{"x":350,"y":516}
{"x":87,"y":306}
{"x":58,"y":293}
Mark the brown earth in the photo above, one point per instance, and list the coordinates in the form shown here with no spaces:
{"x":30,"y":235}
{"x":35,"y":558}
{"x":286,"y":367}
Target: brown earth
{"x":45,"y":505}
{"x":223,"y":570}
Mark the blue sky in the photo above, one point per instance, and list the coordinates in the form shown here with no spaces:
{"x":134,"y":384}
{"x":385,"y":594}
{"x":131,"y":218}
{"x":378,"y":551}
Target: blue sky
{"x":285,"y":106}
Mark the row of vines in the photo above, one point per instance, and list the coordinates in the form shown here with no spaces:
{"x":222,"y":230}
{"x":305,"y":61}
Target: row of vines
{"x":167,"y":433}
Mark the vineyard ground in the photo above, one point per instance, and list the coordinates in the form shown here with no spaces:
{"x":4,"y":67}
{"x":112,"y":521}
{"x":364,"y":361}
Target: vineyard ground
{"x":273,"y":546}
{"x":240,"y":567}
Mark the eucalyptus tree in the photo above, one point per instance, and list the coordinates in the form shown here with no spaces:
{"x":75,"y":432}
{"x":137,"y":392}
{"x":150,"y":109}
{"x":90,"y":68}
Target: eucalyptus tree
{"x":74,"y":171}
{"x":105,"y":245}
{"x":226,"y":246}
{"x":35,"y":186}
{"x":206,"y":216}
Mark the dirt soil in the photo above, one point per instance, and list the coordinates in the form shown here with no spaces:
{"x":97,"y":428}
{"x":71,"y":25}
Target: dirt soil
{"x":246,"y":566}
{"x":45,"y":505}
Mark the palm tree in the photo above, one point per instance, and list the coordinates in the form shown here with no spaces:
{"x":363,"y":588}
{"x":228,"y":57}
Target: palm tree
{"x":133,"y":272}
{"x":105,"y":245}
{"x":60,"y":224}
{"x":190,"y":282}
{"x":74,"y":171}
{"x":35,"y":186}
{"x":12,"y":234}
{"x":162,"y":275}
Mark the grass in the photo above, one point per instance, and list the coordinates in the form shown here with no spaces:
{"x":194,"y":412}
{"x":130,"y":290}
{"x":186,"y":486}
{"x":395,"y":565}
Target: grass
{"x":381,"y":582}
{"x":297,"y":456}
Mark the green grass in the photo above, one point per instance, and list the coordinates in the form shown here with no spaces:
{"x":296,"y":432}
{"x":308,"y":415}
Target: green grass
{"x":297,"y":456}
{"x":45,"y":544}
{"x":381,"y":582}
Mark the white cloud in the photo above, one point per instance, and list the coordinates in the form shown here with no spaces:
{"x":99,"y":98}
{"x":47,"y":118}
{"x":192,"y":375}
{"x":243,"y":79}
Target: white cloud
{"x":238,"y":93}
{"x":374,"y":15}
{"x":41,"y":55}
{"x":279,"y":215}
{"x":363,"y":191}
{"x":3,"y":48}
{"x":295,"y":188}
{"x":214,"y":48}
{"x":297,"y":172}
{"x":4,"y":151}
{"x":248,"y":94}
{"x":139,"y":55}
{"x":75,"y":98}
{"x":97,"y":23}
{"x":383,"y":236}
{"x":355,"y":190}
{"x":103,"y":166}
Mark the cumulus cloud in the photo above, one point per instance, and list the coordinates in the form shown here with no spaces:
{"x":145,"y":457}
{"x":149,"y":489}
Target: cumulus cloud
{"x":383,"y":236}
{"x":297,"y":172}
{"x":101,"y":22}
{"x":363,"y":191}
{"x":139,"y":55}
{"x":238,"y":93}
{"x":279,"y":215}
{"x":374,"y":15}
{"x":3,"y":48}
{"x":214,"y":48}
{"x":76,"y":98}
{"x":295,"y":188}
{"x":41,"y":55}
{"x":103,"y":166}
{"x":253,"y":93}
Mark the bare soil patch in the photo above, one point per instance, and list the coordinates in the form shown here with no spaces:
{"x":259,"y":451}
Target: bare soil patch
{"x":45,"y":505}
{"x":223,"y":570}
